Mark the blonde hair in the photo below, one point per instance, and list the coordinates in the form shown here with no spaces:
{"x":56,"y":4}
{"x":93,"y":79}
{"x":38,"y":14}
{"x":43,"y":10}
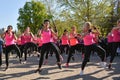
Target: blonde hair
{"x":88,"y":24}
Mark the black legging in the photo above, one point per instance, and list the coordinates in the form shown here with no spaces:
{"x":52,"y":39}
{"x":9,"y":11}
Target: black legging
{"x":114,"y":49}
{"x":63,"y":47}
{"x":46,"y":56}
{"x":100,"y":51}
{"x":25,"y":47}
{"x":72,"y":51}
{"x":8,"y":49}
{"x":46,"y":47}
{"x":109,"y":49}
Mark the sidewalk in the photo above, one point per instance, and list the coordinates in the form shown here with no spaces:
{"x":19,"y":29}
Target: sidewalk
{"x":50,"y":71}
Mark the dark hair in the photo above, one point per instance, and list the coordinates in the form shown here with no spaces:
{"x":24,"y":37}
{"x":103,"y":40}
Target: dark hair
{"x":46,"y":20}
{"x":65,"y":30}
{"x":9,"y":26}
{"x":90,"y":30}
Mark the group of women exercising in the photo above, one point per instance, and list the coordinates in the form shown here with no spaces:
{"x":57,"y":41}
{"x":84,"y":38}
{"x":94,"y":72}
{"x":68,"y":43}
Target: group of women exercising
{"x":47,"y":42}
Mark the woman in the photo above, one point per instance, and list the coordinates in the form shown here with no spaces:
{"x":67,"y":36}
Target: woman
{"x":65,"y":42}
{"x":73,"y":44}
{"x":10,"y":37}
{"x":116,"y":42}
{"x":26,"y":40}
{"x":89,"y":45}
{"x":47,"y":34}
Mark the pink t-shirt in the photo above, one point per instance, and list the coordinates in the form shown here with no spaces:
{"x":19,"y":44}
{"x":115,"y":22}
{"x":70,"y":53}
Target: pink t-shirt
{"x":35,"y":40}
{"x":46,"y":36}
{"x":89,"y":39}
{"x":116,"y":35}
{"x":110,"y":38}
{"x":73,"y":40}
{"x":19,"y":41}
{"x":65,"y":40}
{"x":9,"y":39}
{"x":39,"y":40}
{"x":26,"y":38}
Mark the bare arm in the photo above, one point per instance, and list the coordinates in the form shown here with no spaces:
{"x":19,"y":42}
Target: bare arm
{"x":39,"y":32}
{"x":53,"y":33}
{"x":32,"y":35}
{"x":15,"y":37}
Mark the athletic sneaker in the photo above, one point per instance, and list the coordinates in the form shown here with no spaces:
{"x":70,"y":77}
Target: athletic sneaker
{"x":6,"y":68}
{"x":38,"y":70}
{"x":59,"y":65}
{"x":67,"y":64}
{"x":110,"y":67}
{"x":81,"y":73}
{"x":24,"y":62}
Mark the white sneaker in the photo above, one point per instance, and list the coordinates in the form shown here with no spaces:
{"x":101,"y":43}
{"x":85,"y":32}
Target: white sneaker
{"x":81,"y":73}
{"x":103,"y":64}
{"x":24,"y":62}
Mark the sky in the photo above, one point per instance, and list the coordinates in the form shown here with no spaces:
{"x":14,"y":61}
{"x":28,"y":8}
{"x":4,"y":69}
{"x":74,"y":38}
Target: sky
{"x":9,"y":12}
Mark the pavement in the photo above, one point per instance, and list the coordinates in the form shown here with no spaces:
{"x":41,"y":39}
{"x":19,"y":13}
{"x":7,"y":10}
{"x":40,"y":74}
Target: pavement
{"x":93,"y":71}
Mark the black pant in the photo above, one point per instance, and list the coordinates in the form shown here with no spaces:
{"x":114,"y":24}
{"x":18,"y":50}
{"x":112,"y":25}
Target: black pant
{"x":8,"y":49}
{"x":100,"y":51}
{"x":63,"y":47}
{"x":46,"y":47}
{"x":0,"y":58}
{"x":114,"y":49}
{"x":80,"y":47}
{"x":72,"y":51}
{"x":109,"y":49}
{"x":24,"y":48}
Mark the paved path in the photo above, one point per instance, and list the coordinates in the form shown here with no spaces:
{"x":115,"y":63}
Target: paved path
{"x":50,"y":71}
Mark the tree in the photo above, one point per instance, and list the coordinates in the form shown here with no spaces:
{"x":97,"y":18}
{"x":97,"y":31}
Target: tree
{"x":95,"y":11}
{"x":32,"y":14}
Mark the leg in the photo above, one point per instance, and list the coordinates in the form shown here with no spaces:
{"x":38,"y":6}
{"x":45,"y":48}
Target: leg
{"x":100,"y":51}
{"x":88,"y":50}
{"x":67,"y":49}
{"x":114,"y":48}
{"x":70,"y":55}
{"x":16,"y":48}
{"x":7,"y":50}
{"x":43,"y":50}
{"x":87,"y":56}
{"x":55,"y":49}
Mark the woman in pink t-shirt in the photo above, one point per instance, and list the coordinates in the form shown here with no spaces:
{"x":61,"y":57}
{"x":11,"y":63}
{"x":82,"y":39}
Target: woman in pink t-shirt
{"x":73,"y":42}
{"x":46,"y":34}
{"x":27,"y":42}
{"x":116,"y":42}
{"x":64,"y":42}
{"x":10,"y":37}
{"x":90,"y":45}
